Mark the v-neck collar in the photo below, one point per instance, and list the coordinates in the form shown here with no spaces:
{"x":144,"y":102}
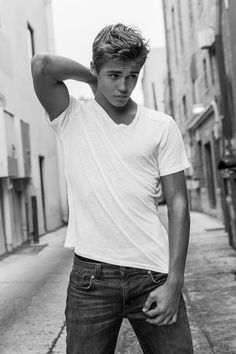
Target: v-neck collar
{"x":111,"y":121}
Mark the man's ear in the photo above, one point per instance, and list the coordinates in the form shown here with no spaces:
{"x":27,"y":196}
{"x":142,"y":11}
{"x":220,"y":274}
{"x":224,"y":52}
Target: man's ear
{"x":92,"y":69}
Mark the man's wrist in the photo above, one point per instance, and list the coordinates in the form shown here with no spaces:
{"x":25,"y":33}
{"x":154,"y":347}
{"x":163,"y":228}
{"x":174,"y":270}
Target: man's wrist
{"x":92,"y":80}
{"x":62,"y":68}
{"x":175,"y":280}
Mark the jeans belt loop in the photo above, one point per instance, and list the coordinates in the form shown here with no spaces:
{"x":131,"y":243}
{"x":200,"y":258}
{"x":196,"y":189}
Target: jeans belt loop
{"x":98,"y":271}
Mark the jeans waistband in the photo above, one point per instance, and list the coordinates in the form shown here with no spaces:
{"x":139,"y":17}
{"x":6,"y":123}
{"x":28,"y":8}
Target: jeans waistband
{"x":85,"y":259}
{"x":88,"y":266}
{"x":92,"y":266}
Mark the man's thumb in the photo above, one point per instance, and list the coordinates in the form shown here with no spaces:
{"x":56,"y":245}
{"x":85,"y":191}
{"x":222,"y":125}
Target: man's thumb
{"x":148,"y":304}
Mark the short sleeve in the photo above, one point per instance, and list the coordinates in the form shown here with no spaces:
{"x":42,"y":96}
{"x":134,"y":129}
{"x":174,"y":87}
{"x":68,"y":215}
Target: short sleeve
{"x":172,"y":156}
{"x":60,"y":124}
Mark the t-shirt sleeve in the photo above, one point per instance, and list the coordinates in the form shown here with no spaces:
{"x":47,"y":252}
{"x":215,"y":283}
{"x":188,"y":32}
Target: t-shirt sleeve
{"x":172,"y":156}
{"x":60,"y":124}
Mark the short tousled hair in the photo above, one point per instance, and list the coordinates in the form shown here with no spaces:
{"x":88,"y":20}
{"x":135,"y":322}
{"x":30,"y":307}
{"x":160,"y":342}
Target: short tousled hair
{"x":119,"y":42}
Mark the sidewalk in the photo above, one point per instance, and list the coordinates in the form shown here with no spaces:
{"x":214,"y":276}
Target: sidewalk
{"x":33,"y":283}
{"x":210,"y":287}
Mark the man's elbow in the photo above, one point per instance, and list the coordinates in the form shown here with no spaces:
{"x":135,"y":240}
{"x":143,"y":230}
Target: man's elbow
{"x":38,"y":62}
{"x":179,"y":203}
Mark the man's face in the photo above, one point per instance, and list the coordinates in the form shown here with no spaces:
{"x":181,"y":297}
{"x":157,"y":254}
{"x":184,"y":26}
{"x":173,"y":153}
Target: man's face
{"x":116,"y":81}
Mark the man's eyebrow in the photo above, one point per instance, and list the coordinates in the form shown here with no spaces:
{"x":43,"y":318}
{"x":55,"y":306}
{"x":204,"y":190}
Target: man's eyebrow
{"x":120,"y":72}
{"x":114,"y":71}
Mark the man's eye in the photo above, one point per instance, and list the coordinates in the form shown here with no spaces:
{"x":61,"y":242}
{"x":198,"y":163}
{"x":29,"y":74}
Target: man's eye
{"x":133,"y":76}
{"x":114,"y":76}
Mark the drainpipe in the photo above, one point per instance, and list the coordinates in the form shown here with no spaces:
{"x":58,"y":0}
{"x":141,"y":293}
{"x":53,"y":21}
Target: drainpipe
{"x":169,"y":79}
{"x":227,"y":165}
{"x":223,"y":80}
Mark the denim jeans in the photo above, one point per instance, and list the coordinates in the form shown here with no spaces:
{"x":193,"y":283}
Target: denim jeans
{"x":100,"y":295}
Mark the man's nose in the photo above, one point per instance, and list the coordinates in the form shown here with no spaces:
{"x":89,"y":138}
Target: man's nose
{"x":122,"y":85}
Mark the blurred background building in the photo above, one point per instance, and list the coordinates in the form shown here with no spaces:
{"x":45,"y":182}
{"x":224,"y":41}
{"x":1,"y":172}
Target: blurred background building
{"x":32,"y":185}
{"x":200,"y":93}
{"x":154,"y":73}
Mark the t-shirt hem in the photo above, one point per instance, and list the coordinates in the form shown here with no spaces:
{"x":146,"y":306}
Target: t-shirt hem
{"x":124,"y":264}
{"x":174,"y":169}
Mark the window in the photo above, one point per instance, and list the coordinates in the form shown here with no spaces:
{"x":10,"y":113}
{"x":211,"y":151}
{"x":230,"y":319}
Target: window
{"x":184,"y":106}
{"x":193,"y":74}
{"x":30,"y":40}
{"x":212,"y":66}
{"x":210,"y":175}
{"x":200,"y":6}
{"x":190,"y":12}
{"x":200,"y":164}
{"x":205,"y":73}
{"x":194,"y":98}
{"x":180,"y":25}
{"x":180,"y":113}
{"x":217,"y":154}
{"x":154,"y":96}
{"x":174,"y":33}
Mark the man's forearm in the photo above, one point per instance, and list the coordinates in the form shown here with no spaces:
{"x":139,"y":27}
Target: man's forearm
{"x":179,"y":226}
{"x":61,"y":68}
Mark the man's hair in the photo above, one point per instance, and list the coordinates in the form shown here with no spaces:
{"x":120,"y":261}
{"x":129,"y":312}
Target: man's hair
{"x":119,"y":42}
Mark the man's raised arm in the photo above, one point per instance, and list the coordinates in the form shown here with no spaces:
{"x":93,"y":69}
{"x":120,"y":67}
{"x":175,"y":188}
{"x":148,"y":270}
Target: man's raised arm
{"x":48,"y":72}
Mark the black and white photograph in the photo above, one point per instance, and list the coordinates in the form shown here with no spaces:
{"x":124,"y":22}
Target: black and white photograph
{"x":117,"y":177}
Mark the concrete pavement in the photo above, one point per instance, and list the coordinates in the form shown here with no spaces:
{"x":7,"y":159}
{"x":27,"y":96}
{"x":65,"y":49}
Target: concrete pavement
{"x":32,"y":295}
{"x":210,"y":294}
{"x":210,"y":286}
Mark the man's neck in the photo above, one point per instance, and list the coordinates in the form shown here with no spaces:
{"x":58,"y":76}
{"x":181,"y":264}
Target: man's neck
{"x":117,"y":113}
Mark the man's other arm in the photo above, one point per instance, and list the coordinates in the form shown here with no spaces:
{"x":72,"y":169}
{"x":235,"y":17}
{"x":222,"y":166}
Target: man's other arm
{"x":48,"y":72}
{"x":168,"y":296}
{"x":175,"y":192}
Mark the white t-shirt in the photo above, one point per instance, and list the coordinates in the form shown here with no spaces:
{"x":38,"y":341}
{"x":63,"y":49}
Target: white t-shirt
{"x":113,"y":181}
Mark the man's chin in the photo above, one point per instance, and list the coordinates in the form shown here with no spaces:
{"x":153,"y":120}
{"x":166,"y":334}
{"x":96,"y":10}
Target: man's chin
{"x":120,"y":102}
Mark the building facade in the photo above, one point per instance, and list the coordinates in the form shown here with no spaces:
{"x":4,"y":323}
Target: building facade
{"x":153,"y":87}
{"x":201,"y":95}
{"x":154,"y":73}
{"x":32,"y":185}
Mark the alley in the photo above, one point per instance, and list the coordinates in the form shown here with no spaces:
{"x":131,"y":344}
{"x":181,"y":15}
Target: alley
{"x":33,"y":289}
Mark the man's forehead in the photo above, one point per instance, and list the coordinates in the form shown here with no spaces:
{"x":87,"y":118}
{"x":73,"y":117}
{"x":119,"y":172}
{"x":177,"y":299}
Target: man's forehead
{"x":122,"y":65}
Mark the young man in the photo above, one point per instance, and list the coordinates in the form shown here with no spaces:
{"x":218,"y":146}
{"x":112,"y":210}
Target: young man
{"x":117,"y":153}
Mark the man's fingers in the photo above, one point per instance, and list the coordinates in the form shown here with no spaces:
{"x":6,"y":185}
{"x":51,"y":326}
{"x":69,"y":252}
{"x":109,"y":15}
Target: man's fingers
{"x":166,"y":321}
{"x":163,"y":320}
{"x":155,"y":312}
{"x":157,"y":320}
{"x":173,"y":319}
{"x":169,"y":321}
{"x":149,"y":302}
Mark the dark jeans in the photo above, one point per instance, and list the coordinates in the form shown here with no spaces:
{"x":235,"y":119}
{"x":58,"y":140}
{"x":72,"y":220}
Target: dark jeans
{"x":100,"y":295}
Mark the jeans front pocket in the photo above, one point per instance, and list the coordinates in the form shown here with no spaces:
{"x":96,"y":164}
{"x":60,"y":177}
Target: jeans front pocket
{"x":81,"y":280}
{"x":157,"y":278}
